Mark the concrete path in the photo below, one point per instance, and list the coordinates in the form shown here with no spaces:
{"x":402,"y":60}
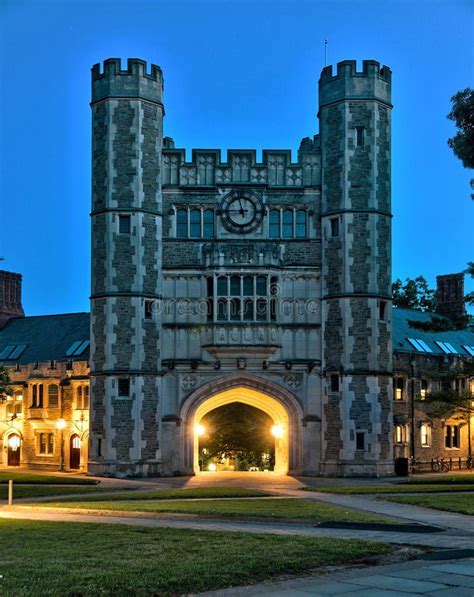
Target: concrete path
{"x":444,"y":578}
{"x":446,"y":539}
{"x":408,"y":512}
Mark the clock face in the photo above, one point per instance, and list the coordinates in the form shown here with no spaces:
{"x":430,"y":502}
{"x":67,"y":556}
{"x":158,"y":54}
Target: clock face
{"x":242,"y":212}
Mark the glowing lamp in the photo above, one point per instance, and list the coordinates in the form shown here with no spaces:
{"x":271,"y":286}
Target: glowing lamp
{"x":14,"y":442}
{"x":212,"y":467}
{"x":60,"y":424}
{"x":200,"y":430}
{"x":277,"y":431}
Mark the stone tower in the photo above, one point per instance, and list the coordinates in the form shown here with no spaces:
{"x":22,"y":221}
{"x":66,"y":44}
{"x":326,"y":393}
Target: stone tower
{"x":354,"y":113}
{"x":127,"y":129}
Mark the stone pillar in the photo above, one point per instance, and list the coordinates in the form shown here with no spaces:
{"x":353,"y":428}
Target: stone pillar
{"x":354,"y":113}
{"x":127,"y":138}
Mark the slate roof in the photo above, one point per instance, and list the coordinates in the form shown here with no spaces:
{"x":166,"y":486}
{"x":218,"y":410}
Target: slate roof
{"x":402,"y":330}
{"x":48,"y":337}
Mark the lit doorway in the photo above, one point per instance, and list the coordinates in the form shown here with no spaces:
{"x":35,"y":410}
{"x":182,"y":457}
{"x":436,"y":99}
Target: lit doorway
{"x":14,"y":450}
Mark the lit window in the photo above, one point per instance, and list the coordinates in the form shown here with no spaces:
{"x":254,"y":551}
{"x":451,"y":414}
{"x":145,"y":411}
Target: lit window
{"x":452,"y":434}
{"x":399,"y":434}
{"x":274,"y":224}
{"x":45,"y":444}
{"x":425,"y":435}
{"x":398,"y":387}
{"x":53,"y":396}
{"x":124,"y":224}
{"x":424,"y":389}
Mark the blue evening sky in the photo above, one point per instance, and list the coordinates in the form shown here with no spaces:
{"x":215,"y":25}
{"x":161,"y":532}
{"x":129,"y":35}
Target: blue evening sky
{"x":238,"y":73}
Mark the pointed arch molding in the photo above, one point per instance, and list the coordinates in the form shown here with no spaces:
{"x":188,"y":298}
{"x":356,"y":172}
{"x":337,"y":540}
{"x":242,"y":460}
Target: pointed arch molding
{"x":256,"y":391}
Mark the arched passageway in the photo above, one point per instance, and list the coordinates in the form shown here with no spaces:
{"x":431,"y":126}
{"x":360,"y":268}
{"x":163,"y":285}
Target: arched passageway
{"x":279,"y":404}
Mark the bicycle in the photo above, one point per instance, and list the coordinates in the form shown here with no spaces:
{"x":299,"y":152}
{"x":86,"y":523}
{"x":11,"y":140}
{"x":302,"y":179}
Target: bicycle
{"x":439,"y":465}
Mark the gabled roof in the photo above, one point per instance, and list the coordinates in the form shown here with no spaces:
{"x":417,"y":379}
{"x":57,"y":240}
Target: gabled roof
{"x":44,"y":338}
{"x":402,"y":330}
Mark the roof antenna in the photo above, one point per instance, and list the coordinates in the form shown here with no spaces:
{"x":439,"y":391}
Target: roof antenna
{"x":325,"y":52}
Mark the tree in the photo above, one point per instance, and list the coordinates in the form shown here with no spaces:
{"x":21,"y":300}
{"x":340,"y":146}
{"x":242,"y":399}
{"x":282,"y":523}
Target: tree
{"x":469,"y":298}
{"x":5,"y":387}
{"x":238,"y":431}
{"x":462,"y":113}
{"x":414,"y":294}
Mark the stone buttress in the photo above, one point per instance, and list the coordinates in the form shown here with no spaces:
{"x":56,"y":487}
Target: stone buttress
{"x":354,"y":113}
{"x":127,"y":138}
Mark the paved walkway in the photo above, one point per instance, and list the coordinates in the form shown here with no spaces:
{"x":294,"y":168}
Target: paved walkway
{"x":454,"y":578}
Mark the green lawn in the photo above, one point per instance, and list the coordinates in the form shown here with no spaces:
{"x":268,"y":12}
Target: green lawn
{"x":30,"y":491}
{"x":33,"y":478}
{"x":275,"y":509}
{"x":390,"y":488}
{"x":461,"y":478}
{"x":180,"y":494}
{"x":463,"y":504}
{"x":49,"y":558}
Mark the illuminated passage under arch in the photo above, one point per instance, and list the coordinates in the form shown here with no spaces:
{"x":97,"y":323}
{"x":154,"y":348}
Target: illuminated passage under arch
{"x":276,"y":420}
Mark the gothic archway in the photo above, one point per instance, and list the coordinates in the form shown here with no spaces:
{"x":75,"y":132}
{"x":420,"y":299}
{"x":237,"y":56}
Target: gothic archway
{"x":271,"y":398}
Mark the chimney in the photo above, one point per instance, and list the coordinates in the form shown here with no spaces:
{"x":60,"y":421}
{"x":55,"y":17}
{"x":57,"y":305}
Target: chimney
{"x":450,"y":296}
{"x":10,"y":297}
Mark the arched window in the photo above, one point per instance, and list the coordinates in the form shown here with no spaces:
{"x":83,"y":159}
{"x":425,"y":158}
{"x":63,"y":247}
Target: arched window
{"x":301,"y":224}
{"x":287,"y":229}
{"x":235,"y":285}
{"x":399,"y":435}
{"x":195,"y":223}
{"x":86,"y":397}
{"x":53,"y":396}
{"x":222,"y":286}
{"x":274,"y":224}
{"x":425,"y":435}
{"x":182,"y":223}
{"x":208,"y":223}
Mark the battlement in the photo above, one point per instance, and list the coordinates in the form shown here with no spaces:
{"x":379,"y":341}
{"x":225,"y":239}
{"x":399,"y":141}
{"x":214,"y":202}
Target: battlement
{"x":276,"y":169}
{"x":349,"y":83}
{"x":134,"y":81}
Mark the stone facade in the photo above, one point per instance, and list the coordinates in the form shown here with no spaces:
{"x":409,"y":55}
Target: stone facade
{"x":184,"y":299}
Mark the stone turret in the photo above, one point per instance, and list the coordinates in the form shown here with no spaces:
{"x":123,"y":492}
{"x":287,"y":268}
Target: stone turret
{"x":127,"y":128}
{"x":354,"y":113}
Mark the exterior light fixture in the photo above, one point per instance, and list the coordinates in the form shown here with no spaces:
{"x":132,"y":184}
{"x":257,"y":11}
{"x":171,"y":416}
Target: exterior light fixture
{"x":212,"y":467}
{"x":277,"y":431}
{"x":60,"y":424}
{"x":14,"y":442}
{"x":200,"y":430}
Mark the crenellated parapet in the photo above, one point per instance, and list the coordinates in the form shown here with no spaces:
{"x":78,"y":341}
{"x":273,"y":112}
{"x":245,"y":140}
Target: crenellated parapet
{"x":134,"y":81}
{"x":276,"y":168}
{"x":349,"y":83}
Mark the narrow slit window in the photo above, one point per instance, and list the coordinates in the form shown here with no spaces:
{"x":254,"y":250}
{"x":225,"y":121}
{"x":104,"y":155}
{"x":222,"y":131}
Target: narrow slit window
{"x":148,"y":309}
{"x":334,"y":227}
{"x":382,"y":310}
{"x":334,"y":383}
{"x":124,"y":387}
{"x":195,"y":223}
{"x":208,"y":223}
{"x":124,"y":224}
{"x":360,"y":441}
{"x":360,"y":136}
